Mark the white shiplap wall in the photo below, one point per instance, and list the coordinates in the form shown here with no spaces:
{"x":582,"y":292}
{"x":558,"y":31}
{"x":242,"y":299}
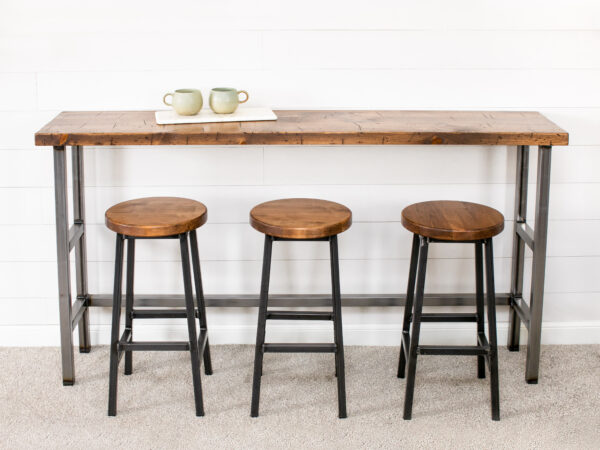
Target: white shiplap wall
{"x":465,"y":54}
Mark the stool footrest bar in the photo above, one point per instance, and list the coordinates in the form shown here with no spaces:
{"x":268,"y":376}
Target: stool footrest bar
{"x":154,"y":346}
{"x":299,"y":300}
{"x":159,"y":314}
{"x":448,"y":317}
{"x":452,"y":350}
{"x":299,"y":315}
{"x":299,"y":348}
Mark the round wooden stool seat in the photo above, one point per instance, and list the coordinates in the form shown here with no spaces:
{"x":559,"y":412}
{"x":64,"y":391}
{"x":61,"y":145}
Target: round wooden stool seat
{"x":156,"y":216}
{"x":300,"y":218}
{"x":452,"y":220}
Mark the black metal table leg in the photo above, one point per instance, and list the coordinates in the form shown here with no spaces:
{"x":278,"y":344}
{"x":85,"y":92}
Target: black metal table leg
{"x":62,"y":261}
{"x":200,"y":300}
{"x":81,"y":278}
{"x":518,"y":251}
{"x":538,"y":269}
{"x":129,"y":301}
{"x":416,"y":328}
{"x":191,"y":320}
{"x":479,"y":305}
{"x":262,"y":323}
{"x":114,"y":338}
{"x":337,"y":327}
{"x":410,"y":293}
{"x":491,"y":310}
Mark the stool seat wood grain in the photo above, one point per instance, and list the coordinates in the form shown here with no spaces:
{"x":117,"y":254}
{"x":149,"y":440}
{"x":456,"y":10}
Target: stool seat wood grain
{"x":300,"y":218}
{"x":452,"y":220}
{"x":156,"y":216}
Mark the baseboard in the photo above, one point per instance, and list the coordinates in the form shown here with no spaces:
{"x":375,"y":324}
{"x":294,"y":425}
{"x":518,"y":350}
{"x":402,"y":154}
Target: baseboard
{"x":354,"y":334}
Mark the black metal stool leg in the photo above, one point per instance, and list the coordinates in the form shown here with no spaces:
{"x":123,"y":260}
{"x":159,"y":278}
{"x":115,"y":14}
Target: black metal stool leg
{"x":491,"y":310}
{"x":410,"y":293}
{"x":337,"y":327}
{"x":129,"y":301}
{"x":200,"y":300}
{"x":416,"y":328}
{"x":114,"y":335}
{"x":191,"y":319}
{"x":479,"y":303}
{"x":262,"y":323}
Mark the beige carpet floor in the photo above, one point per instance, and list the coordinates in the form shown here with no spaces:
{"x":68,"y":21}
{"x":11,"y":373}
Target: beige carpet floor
{"x":298,"y":404}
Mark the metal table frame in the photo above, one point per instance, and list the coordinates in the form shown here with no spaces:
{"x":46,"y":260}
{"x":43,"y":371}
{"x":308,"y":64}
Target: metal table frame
{"x":76,"y":314}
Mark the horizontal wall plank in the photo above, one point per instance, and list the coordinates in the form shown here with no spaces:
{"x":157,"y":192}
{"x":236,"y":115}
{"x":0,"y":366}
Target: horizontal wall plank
{"x":438,"y":49}
{"x":129,"y":50}
{"x":237,"y":277}
{"x":441,"y":89}
{"x":311,"y":14}
{"x":17,"y":128}
{"x":369,"y":203}
{"x":334,"y":165}
{"x":17,"y":91}
{"x":393,"y":165}
{"x":151,"y":166}
{"x":433,"y":14}
{"x":114,"y":16}
{"x":582,"y":124}
{"x":27,"y":206}
{"x":240,"y":242}
{"x":564,"y":275}
{"x":419,"y":165}
{"x":26,"y":168}
{"x":232,"y":204}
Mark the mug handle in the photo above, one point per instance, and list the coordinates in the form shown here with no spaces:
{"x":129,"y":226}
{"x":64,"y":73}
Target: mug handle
{"x":165,"y":98}
{"x":247,"y":96}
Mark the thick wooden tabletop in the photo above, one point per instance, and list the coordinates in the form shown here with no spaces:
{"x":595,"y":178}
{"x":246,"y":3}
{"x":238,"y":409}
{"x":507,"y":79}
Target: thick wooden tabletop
{"x":309,"y":128}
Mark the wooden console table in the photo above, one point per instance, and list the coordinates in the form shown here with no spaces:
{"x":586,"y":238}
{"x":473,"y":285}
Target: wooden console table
{"x":111,"y":128}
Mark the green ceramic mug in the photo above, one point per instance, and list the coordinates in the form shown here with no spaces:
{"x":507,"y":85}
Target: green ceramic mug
{"x":226,"y":100}
{"x":185,"y":102}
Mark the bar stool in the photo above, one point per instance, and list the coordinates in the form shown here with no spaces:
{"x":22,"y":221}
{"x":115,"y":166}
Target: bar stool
{"x":450,"y":221}
{"x":300,"y":219}
{"x":157,"y":218}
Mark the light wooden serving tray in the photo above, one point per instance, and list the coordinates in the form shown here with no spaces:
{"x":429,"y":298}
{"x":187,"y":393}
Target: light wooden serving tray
{"x":207,"y":116}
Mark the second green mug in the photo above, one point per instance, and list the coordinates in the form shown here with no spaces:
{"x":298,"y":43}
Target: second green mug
{"x":226,"y":100}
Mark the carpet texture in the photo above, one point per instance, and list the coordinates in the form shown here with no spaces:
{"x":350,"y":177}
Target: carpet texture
{"x":298,"y":402}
